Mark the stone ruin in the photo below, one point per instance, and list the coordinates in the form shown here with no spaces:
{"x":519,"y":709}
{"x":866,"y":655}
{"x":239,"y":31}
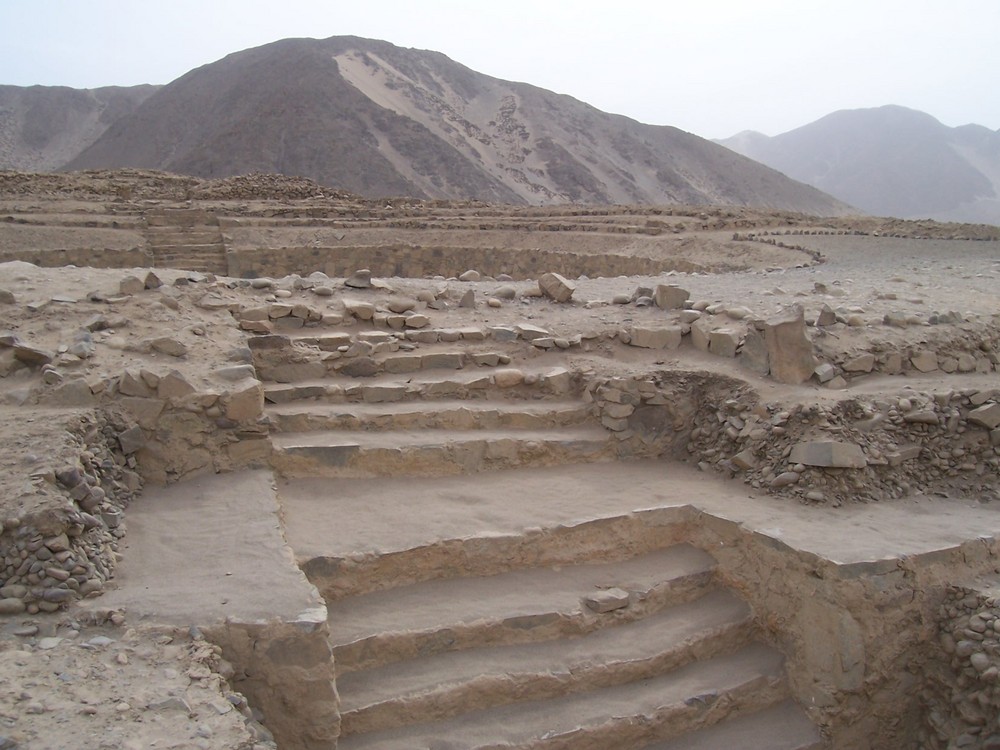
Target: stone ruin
{"x":699,"y":614}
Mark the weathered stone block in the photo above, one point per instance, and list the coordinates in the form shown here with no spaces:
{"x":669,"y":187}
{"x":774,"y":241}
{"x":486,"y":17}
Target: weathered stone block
{"x":670,"y":297}
{"x":753,"y":354}
{"x":861,"y":363}
{"x":829,"y":454}
{"x":658,"y":337}
{"x":556,"y":287}
{"x":607,"y":600}
{"x":723,"y":342}
{"x":701,"y":332}
{"x":924,"y":361}
{"x":247,"y":403}
{"x":788,"y":346}
{"x":987,"y":416}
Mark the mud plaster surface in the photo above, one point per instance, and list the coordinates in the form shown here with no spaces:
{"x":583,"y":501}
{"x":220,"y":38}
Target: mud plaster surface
{"x":202,"y":551}
{"x":356,"y":516}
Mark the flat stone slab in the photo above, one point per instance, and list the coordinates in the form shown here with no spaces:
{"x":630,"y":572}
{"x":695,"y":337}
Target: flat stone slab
{"x":201,"y":551}
{"x":386,"y":515}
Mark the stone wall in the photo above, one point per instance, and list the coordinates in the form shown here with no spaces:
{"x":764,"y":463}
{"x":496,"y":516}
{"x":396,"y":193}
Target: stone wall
{"x":286,"y":670}
{"x":135,"y":257}
{"x":419,"y":262}
{"x":66,"y":548}
{"x":962,"y":695}
{"x":859,"y":638}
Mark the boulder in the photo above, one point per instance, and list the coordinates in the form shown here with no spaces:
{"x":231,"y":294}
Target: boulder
{"x":670,"y":297}
{"x":360,"y":310}
{"x":789,"y":349}
{"x":723,"y":342}
{"x":987,"y":416}
{"x":175,"y":385}
{"x":169,"y":346}
{"x":131,"y":285}
{"x":701,"y":332}
{"x":131,"y":440}
{"x":658,"y":337}
{"x":505,"y":292}
{"x":402,"y":304}
{"x":862,"y":363}
{"x":32,"y":356}
{"x":753,"y":354}
{"x":825,"y":372}
{"x":360,"y":279}
{"x":826,"y":317}
{"x":924,"y":361}
{"x":247,"y":403}
{"x":828,"y":454}
{"x":470,"y":275}
{"x":555,"y":287}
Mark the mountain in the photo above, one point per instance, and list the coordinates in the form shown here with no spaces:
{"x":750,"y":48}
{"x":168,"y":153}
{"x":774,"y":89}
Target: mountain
{"x":890,"y":161}
{"x":41,"y":127}
{"x":379,"y":120}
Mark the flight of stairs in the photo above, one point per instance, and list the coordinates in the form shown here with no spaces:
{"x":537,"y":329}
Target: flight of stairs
{"x":526,"y":659}
{"x":185,"y":238}
{"x":444,"y":416}
{"x":500,"y":640}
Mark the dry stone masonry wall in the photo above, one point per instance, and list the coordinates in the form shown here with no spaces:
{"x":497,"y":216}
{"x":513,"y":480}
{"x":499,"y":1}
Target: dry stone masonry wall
{"x":66,"y":548}
{"x":962,"y":694}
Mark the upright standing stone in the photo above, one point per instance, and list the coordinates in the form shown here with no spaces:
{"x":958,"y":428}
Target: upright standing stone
{"x":753,"y":353}
{"x":789,"y":349}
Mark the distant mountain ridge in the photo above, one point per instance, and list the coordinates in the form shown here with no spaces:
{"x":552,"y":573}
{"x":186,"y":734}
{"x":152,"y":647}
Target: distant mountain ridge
{"x":43,"y":127}
{"x":379,"y":120}
{"x":890,"y":161}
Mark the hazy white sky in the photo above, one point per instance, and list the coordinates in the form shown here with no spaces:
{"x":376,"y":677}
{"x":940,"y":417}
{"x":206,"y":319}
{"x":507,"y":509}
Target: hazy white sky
{"x":713,"y":67}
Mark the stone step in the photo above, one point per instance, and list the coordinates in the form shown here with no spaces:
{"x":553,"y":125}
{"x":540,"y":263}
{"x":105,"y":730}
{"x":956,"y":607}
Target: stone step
{"x":183,"y":238}
{"x":393,"y":540}
{"x":305,"y":416}
{"x":515,"y":607}
{"x":190,"y":258}
{"x":212,"y":245}
{"x":620,"y":717}
{"x":308,"y":381}
{"x":781,"y":727}
{"x":341,"y":453}
{"x":409,"y":362}
{"x":448,"y":684}
{"x":181,"y":217}
{"x":219,"y":269}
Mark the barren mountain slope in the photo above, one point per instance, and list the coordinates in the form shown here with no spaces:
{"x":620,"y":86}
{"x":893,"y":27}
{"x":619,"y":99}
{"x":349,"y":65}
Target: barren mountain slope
{"x":381,"y":120}
{"x":890,"y":161}
{"x":41,"y":127}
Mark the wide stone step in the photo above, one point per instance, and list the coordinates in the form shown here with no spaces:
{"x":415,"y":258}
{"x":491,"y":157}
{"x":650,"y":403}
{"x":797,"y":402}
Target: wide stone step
{"x":448,"y":684}
{"x":620,"y":717}
{"x":181,"y":217}
{"x":781,"y":727}
{"x":410,"y":415}
{"x":340,"y":453}
{"x":209,"y":246}
{"x":183,"y":238}
{"x":308,"y":381}
{"x":520,"y":606}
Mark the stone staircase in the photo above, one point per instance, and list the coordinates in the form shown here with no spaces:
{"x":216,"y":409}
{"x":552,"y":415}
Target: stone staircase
{"x":590,"y":636}
{"x":437,"y":413}
{"x":188,"y":239}
{"x":620,"y":653}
